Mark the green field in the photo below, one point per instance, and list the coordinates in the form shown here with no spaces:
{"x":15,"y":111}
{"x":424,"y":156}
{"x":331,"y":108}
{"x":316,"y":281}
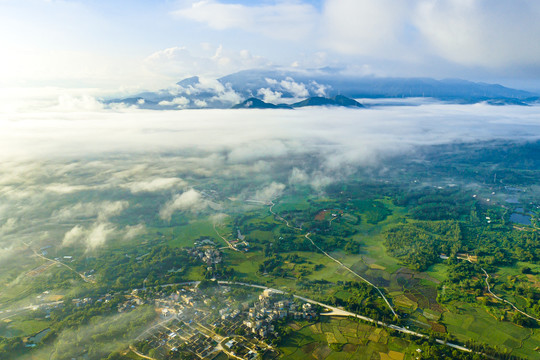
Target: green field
{"x":466,"y":321}
{"x":338,"y":338}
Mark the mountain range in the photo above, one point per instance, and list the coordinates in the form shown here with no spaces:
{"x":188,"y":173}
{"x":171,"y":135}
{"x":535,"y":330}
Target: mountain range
{"x":338,"y":100}
{"x":263,"y":88}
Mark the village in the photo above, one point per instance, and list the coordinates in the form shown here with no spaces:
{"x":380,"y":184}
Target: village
{"x":191,"y":323}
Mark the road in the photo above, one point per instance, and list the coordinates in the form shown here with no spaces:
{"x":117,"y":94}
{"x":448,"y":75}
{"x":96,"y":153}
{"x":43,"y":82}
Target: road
{"x":132,"y":348}
{"x":61,"y":263}
{"x":354,"y":273}
{"x":494,"y":295}
{"x":6,"y":314}
{"x":506,"y":301}
{"x":272,"y":204}
{"x":227,"y":241}
{"x":334,"y":311}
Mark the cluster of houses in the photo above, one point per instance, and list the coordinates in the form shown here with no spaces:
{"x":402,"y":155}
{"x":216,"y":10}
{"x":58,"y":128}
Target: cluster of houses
{"x":82,"y":302}
{"x":205,"y":250}
{"x":271,"y":307}
{"x":130,"y":304}
{"x":231,"y":344}
{"x":190,"y":306}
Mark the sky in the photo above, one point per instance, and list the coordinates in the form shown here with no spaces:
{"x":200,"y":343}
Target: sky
{"x":124,"y":46}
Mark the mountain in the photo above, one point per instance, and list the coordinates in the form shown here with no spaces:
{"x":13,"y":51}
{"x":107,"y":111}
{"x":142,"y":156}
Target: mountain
{"x":336,"y":83}
{"x":314,"y":101}
{"x":254,"y":103}
{"x":326,"y":86}
{"x":191,"y":81}
{"x":345,"y":101}
{"x":338,"y":100}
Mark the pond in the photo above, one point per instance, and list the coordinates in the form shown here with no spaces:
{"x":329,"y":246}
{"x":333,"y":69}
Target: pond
{"x":37,"y":338}
{"x":520,"y":219}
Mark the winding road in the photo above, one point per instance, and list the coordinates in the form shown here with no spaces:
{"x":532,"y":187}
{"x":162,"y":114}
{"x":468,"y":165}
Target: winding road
{"x":272,"y":204}
{"x":494,"y":295}
{"x":227,"y":241}
{"x":503,"y":300}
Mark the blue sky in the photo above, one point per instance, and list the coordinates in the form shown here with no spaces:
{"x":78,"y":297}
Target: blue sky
{"x":127,"y":45}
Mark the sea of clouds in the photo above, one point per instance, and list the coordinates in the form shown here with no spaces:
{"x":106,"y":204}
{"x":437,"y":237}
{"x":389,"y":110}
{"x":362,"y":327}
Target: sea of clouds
{"x":66,"y":174}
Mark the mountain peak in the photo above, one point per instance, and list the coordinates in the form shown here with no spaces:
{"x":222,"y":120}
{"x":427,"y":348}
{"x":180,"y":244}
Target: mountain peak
{"x":338,"y":100}
{"x":254,"y":103}
{"x":190,"y":81}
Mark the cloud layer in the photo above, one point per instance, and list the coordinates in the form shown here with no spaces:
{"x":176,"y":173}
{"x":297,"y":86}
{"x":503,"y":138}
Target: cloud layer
{"x":487,"y":33}
{"x":281,"y":20}
{"x":88,"y":178}
{"x":240,"y":136}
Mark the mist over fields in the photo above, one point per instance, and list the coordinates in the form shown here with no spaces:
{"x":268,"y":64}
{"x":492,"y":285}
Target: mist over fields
{"x":67,"y":175}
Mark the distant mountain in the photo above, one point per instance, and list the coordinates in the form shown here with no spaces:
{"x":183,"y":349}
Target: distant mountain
{"x":336,"y":83}
{"x":191,"y":81}
{"x":345,"y":101}
{"x":326,"y":86}
{"x":338,"y":100}
{"x":254,"y":103}
{"x":314,"y":101}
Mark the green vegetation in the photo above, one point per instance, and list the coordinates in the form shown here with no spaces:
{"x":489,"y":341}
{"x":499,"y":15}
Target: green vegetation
{"x":424,"y":243}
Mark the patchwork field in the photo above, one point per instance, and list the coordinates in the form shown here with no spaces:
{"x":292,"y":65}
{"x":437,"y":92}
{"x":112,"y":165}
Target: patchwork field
{"x":338,"y":338}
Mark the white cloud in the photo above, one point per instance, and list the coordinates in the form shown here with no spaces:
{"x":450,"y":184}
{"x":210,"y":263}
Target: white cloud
{"x":190,"y":200}
{"x":61,"y":188}
{"x":366,"y":27}
{"x":74,"y":235}
{"x":245,"y":136}
{"x":221,"y":92}
{"x":180,"y":102}
{"x":218,"y":218}
{"x":269,"y":95}
{"x":77,"y":104}
{"x":318,"y":180}
{"x":8,"y":226}
{"x":98,"y":210}
{"x":264,"y":148}
{"x":270,"y":192}
{"x":482,"y":32}
{"x":66,"y":153}
{"x":132,"y":232}
{"x":298,"y":90}
{"x":200,"y":103}
{"x":282,"y":20}
{"x":158,"y":184}
{"x":228,"y":96}
{"x":486,"y":33}
{"x":298,"y":176}
{"x":178,"y":62}
{"x":92,"y":237}
{"x":320,"y":90}
{"x":109,"y":209}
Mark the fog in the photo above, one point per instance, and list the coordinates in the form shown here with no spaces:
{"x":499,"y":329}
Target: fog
{"x":67,"y":176}
{"x":237,"y":136}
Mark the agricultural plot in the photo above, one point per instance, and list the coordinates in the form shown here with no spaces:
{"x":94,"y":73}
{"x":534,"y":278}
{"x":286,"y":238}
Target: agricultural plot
{"x":467,"y":321}
{"x":335,"y":338}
